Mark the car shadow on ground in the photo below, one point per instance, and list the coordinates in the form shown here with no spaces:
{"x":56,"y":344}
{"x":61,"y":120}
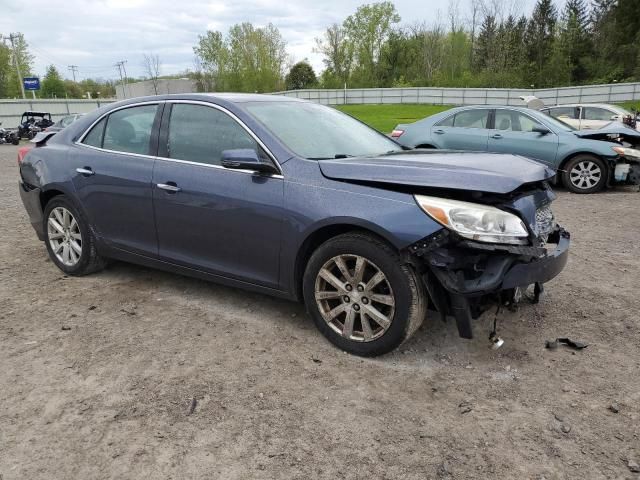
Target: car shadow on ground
{"x":434,"y":341}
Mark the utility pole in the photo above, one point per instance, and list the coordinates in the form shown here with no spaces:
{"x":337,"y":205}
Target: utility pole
{"x":13,"y":37}
{"x":125,"y":74}
{"x":73,"y":69}
{"x":120,"y":65}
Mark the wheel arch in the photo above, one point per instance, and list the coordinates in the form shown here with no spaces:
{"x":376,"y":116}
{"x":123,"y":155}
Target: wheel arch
{"x":568,"y":158}
{"x":320,"y":235}
{"x":47,"y":195}
{"x":426,"y":145}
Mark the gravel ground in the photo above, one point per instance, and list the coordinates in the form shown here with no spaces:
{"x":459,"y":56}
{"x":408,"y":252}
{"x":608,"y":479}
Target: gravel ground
{"x":135,"y":373}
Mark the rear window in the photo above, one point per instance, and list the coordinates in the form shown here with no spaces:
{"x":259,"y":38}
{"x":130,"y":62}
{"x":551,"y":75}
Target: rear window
{"x":94,"y":137}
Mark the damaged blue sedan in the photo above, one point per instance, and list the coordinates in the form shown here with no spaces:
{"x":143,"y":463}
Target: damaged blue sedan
{"x":300,"y":201}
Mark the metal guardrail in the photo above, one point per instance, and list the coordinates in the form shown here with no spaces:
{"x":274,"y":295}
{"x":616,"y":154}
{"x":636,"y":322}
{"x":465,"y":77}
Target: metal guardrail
{"x":11,"y":110}
{"x":611,"y":93}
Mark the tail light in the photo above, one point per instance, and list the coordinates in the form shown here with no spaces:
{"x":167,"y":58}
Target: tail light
{"x":397,"y":133}
{"x":21,"y":153}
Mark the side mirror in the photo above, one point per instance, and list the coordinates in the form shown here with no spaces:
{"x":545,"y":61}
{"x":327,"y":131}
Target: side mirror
{"x":615,"y":117}
{"x":245,"y":159}
{"x":541,"y":130}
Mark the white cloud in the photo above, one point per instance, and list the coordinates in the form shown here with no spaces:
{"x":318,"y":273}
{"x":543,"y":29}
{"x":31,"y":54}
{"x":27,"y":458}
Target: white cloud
{"x":94,"y":34}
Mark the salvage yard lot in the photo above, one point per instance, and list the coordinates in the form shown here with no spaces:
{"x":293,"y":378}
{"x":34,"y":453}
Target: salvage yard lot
{"x":99,"y":374}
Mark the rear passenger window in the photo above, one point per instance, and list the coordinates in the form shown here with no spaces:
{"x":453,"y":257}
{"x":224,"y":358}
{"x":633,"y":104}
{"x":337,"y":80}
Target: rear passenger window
{"x":198,"y":133}
{"x":129,"y":130}
{"x":472,"y":119}
{"x":447,"y":122}
{"x":567,"y":112}
{"x":94,"y":137}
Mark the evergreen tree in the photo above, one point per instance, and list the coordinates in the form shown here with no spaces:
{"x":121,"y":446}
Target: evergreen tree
{"x":574,"y":38}
{"x":300,"y":76}
{"x":52,"y":84}
{"x":539,"y":38}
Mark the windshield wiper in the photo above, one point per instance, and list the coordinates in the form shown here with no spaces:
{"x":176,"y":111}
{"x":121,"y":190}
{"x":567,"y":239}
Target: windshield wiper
{"x":337,"y":155}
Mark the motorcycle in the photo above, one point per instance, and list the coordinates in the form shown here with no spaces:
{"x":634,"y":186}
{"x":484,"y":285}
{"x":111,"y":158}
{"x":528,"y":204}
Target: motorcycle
{"x":8,"y":136}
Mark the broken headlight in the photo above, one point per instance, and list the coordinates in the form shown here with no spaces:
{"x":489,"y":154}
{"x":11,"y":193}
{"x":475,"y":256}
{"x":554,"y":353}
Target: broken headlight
{"x":474,"y":221}
{"x":627,"y":152}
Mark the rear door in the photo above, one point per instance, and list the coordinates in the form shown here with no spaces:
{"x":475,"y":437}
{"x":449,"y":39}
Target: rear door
{"x":465,"y":130}
{"x":514,"y":133}
{"x":226,"y":222}
{"x":113,"y":166}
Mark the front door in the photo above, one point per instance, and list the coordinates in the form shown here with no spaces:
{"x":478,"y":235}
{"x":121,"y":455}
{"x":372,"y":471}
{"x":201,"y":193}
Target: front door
{"x":113,"y":168}
{"x":514,"y":133}
{"x":225,"y":222}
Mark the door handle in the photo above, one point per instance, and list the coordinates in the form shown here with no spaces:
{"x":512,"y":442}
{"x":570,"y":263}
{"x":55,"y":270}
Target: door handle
{"x":439,"y":132}
{"x":85,"y":171}
{"x":170,"y":187}
{"x":497,"y":136}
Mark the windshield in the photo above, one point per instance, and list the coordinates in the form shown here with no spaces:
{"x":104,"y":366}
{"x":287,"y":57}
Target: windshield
{"x":317,"y":132}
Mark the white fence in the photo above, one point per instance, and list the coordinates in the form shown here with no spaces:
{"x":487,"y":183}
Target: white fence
{"x":612,"y":93}
{"x":12,"y":110}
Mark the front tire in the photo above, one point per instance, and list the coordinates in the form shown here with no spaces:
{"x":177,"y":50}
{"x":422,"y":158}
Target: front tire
{"x":362,"y":296}
{"x":69,"y":240}
{"x":585,"y":174}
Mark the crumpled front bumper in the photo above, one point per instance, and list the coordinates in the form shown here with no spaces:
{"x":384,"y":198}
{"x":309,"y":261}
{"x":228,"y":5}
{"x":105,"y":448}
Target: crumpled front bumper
{"x":465,"y":278}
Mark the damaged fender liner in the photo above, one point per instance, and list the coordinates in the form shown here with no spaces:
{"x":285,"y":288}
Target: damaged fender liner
{"x":464,"y":277}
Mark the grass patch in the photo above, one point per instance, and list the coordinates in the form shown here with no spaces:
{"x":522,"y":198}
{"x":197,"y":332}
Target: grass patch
{"x":631,"y":105}
{"x":385,"y":117}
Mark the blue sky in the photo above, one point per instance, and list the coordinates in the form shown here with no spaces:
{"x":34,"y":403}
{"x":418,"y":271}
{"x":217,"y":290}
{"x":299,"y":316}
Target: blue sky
{"x":95,"y":34}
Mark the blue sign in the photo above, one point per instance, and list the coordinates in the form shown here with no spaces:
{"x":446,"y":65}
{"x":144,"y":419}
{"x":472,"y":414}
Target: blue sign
{"x":31,"y":83}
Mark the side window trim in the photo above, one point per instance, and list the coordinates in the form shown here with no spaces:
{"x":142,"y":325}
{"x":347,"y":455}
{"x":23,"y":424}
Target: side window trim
{"x":106,"y":116}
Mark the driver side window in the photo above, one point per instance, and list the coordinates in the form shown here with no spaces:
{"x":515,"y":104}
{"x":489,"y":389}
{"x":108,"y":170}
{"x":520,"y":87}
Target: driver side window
{"x":198,"y":133}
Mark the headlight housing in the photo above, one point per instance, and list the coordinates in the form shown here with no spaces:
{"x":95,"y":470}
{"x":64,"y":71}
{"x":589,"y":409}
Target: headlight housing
{"x":627,"y":152}
{"x":482,"y":223}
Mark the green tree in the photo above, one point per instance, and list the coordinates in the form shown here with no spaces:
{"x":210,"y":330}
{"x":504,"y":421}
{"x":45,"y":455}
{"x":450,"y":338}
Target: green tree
{"x":574,"y":38}
{"x":52,"y":84}
{"x":301,"y":76}
{"x":25,"y":61}
{"x":337,"y":51}
{"x":5,"y":70}
{"x":367,"y":30}
{"x":539,"y":38}
{"x":248,"y":59}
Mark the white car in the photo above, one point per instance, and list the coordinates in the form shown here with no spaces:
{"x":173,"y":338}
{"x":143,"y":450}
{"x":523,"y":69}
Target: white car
{"x":589,"y":116}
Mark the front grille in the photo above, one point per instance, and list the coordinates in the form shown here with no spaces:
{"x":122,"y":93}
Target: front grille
{"x":544,"y":223}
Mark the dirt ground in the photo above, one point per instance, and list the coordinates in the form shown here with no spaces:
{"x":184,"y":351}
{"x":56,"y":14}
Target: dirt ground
{"x":98,"y":374}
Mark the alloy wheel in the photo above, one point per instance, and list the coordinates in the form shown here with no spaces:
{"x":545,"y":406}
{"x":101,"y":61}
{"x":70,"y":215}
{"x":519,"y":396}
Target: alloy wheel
{"x":64,"y":236}
{"x":355,"y":298}
{"x":585,"y":175}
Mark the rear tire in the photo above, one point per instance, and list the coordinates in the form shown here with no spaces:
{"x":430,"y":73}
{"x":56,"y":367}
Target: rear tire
{"x":380,"y":300}
{"x":69,"y":240}
{"x":585,"y":174}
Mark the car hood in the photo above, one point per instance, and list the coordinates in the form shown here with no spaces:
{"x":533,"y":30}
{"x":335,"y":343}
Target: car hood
{"x":483,"y":172}
{"x":613,"y":128}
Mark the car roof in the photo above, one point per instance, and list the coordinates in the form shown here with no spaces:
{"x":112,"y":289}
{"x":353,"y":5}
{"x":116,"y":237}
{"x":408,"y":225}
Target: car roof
{"x":597,"y":105}
{"x":225,"y":97}
{"x":36,"y":114}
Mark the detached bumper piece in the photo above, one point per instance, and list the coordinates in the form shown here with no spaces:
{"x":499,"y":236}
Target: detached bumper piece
{"x":464,"y":278}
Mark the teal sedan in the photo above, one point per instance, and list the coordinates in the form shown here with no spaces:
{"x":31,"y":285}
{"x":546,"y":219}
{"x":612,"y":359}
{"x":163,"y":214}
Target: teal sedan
{"x":587,"y":161}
